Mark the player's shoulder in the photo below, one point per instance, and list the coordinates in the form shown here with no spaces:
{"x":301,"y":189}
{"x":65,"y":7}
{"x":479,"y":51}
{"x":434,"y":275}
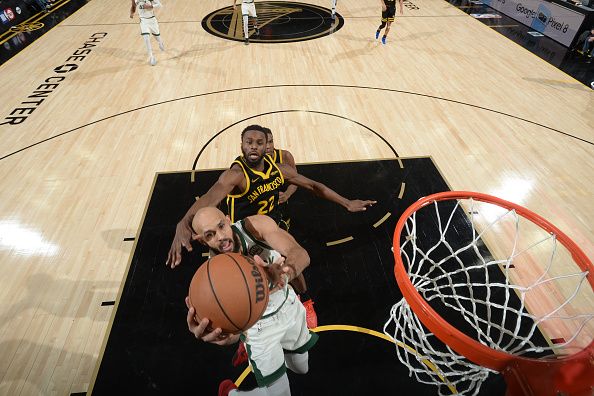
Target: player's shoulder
{"x":234,"y":173}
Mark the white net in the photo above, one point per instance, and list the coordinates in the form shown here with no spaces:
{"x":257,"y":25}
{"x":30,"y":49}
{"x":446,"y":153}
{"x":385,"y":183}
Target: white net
{"x":497,"y":277}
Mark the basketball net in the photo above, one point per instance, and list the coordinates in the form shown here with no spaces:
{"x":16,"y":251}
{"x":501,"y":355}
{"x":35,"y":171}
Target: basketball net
{"x":500,"y":286}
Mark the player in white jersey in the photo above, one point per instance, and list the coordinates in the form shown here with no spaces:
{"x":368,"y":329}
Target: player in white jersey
{"x":248,"y":9}
{"x":148,"y":24}
{"x":334,"y":8}
{"x":280,"y":339}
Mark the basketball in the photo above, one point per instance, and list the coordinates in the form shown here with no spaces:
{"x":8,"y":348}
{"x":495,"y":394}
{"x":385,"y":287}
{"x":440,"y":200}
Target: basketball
{"x":231,"y":290}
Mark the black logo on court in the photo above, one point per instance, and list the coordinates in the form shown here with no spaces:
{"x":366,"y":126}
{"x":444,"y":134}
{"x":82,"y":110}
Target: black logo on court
{"x":279,"y":22}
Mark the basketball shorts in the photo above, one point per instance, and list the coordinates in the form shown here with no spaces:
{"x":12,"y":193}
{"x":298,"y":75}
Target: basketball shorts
{"x":149,"y":26}
{"x":281,"y":330}
{"x":249,"y":9}
{"x":388,"y":15}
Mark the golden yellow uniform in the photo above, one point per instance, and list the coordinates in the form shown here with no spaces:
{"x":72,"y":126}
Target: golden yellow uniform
{"x":261,"y":192}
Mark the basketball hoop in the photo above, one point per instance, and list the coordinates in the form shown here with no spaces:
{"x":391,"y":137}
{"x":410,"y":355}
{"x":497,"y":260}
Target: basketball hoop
{"x":490,"y":286}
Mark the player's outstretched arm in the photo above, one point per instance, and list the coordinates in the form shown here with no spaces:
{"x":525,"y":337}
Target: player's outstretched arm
{"x":401,"y":4}
{"x":321,"y":190}
{"x":183,"y":231}
{"x":266,"y":230}
{"x":290,"y":161}
{"x":199,"y":329}
{"x":132,"y":8}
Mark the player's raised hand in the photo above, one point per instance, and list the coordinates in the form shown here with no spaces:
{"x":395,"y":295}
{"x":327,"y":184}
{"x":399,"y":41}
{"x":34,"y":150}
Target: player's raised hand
{"x":278,"y":273}
{"x":183,"y":237}
{"x":201,"y":331}
{"x":357,"y":205}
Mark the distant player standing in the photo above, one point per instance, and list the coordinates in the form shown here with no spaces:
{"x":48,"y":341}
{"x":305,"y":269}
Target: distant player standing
{"x":148,"y":24}
{"x":334,"y":8}
{"x":248,"y":9}
{"x":388,"y":13}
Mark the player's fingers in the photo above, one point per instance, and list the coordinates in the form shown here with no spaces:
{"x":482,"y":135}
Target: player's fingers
{"x":187,"y":245}
{"x":213,"y":335}
{"x":177,"y":259}
{"x":280,"y":260}
{"x":259,"y":260}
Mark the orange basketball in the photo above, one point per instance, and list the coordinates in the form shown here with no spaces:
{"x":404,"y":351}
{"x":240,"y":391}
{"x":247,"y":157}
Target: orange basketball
{"x":231,"y":290}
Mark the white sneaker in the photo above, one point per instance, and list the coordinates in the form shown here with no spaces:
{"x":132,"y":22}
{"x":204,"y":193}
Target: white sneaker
{"x":153,"y":61}
{"x":592,"y":84}
{"x":161,"y":46}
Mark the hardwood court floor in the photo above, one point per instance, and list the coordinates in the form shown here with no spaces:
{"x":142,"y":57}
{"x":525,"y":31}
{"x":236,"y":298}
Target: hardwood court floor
{"x":78,"y":170}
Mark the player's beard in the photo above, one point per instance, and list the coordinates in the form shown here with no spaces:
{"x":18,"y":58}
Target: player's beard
{"x":253,"y":163}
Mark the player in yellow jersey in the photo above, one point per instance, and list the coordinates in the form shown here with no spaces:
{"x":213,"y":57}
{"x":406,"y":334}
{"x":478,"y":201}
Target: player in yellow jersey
{"x":281,"y":157}
{"x":388,"y":13}
{"x":234,"y":182}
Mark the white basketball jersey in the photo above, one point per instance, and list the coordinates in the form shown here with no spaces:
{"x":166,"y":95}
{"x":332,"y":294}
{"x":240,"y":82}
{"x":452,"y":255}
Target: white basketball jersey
{"x":144,"y":13}
{"x":250,"y":246}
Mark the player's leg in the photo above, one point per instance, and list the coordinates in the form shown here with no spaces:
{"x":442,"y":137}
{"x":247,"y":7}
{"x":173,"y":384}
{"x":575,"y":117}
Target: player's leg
{"x":300,"y":287}
{"x":157,"y":33}
{"x":149,"y":49}
{"x":297,"y":362}
{"x":256,"y":26}
{"x":385,"y":36}
{"x":382,"y":25}
{"x":390,"y":13}
{"x":145,"y":32}
{"x":246,"y":21}
{"x":254,"y":16}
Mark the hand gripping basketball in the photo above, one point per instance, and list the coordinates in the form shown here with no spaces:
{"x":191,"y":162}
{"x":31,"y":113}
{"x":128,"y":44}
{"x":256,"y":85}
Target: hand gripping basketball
{"x":231,"y":291}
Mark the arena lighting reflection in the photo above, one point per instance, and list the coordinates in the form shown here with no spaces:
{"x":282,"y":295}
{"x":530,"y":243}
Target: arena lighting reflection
{"x":513,"y":189}
{"x":24,"y":241}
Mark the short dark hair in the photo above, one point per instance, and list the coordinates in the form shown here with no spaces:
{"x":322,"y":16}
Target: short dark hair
{"x":267,"y":130}
{"x":255,"y":128}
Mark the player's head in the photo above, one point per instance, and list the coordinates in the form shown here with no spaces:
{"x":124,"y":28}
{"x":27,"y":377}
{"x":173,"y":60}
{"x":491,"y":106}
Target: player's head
{"x":253,"y":144}
{"x":269,"y":141}
{"x":213,"y":229}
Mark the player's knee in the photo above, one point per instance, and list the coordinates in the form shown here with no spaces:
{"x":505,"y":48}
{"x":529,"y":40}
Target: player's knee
{"x":301,"y":370}
{"x":383,"y":25}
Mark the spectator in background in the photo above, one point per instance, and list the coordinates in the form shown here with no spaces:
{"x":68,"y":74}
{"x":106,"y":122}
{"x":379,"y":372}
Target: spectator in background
{"x":588,"y":43}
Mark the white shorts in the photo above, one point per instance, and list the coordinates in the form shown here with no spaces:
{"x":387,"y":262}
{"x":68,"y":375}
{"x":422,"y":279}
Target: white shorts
{"x":249,"y":9}
{"x":149,"y":26}
{"x":276,"y":334}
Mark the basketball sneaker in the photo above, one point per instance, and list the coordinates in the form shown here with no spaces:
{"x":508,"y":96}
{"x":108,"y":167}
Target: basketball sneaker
{"x":384,"y":40}
{"x":225,"y":387}
{"x":240,"y":356}
{"x":377,"y":34}
{"x":152,"y":60}
{"x":257,"y":31}
{"x":246,"y":41}
{"x":162,"y":46}
{"x":310,"y":314}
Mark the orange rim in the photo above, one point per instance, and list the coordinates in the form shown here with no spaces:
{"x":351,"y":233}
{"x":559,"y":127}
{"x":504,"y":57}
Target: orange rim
{"x":448,"y":334}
